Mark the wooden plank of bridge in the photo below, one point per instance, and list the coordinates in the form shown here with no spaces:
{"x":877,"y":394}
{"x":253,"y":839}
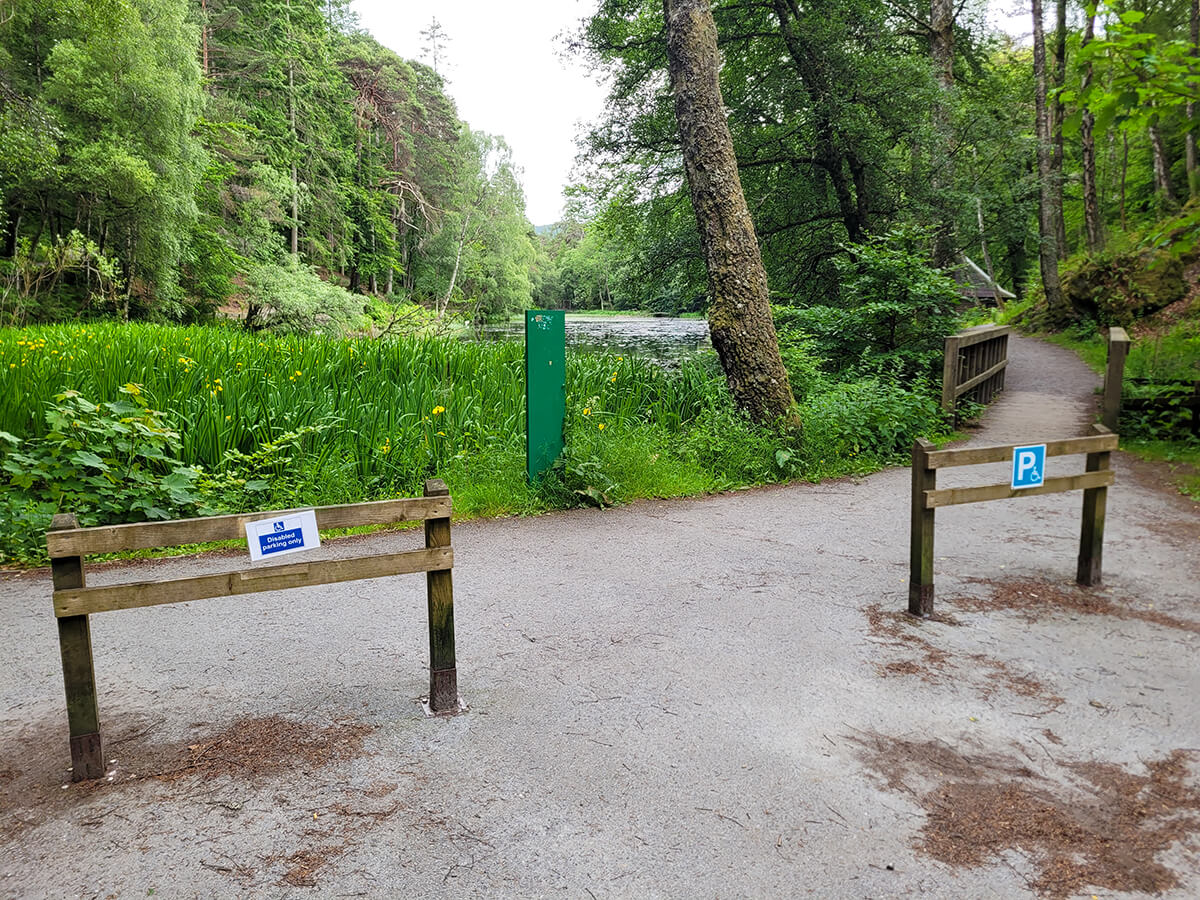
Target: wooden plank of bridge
{"x":79,"y":675}
{"x":920,"y":570}
{"x":443,"y":672}
{"x":1091,"y":538}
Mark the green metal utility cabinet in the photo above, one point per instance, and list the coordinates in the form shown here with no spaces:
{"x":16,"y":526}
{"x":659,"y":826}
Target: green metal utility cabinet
{"x":545,"y":388}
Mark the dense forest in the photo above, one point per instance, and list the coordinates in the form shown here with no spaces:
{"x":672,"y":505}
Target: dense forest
{"x":864,"y":127}
{"x":231,"y":230}
{"x":160,"y":156}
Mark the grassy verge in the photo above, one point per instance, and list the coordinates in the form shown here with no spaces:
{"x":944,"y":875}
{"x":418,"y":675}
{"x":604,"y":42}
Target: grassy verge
{"x":1182,"y":460}
{"x":268,"y":422}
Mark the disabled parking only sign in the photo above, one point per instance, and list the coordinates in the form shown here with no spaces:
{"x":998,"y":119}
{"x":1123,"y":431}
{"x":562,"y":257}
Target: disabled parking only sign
{"x":1029,"y":466}
{"x":288,"y":533}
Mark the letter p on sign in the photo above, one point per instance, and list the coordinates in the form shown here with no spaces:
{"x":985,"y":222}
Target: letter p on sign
{"x":1029,"y":466}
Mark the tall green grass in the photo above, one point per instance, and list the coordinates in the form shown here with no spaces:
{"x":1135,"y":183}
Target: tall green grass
{"x":377,"y":417}
{"x":389,"y":412}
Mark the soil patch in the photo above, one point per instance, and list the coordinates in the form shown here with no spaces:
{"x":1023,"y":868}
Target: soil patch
{"x":1035,"y":599}
{"x":257,"y":749}
{"x":1104,"y":830}
{"x":933,"y":664}
{"x":1183,"y":529}
{"x":267,"y":746}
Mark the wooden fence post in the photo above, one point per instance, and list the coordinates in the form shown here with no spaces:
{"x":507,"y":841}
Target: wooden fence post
{"x":920,"y":573}
{"x":79,"y":675}
{"x":950,"y":373}
{"x":443,"y":674}
{"x":1091,"y":538}
{"x":1114,"y":374}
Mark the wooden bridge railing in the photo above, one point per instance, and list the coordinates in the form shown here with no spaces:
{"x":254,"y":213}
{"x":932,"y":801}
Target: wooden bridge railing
{"x":927,"y":499}
{"x":74,"y":601}
{"x":974,"y":365}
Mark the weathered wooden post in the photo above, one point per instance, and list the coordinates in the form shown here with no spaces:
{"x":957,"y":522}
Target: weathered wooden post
{"x":1114,"y":374}
{"x":920,"y":573}
{"x":1095,"y":502}
{"x":950,"y":373}
{"x":443,"y":674}
{"x":79,"y":675}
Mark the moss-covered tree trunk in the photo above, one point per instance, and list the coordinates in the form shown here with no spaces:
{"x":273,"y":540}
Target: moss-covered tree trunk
{"x":941,"y":49}
{"x":1047,"y":230}
{"x":1092,"y":219}
{"x":739,"y":312}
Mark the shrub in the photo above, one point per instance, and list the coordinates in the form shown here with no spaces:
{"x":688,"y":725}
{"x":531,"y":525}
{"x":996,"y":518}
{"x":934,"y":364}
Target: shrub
{"x":291,"y":298}
{"x":892,"y":317}
{"x":871,"y":418}
{"x":113,"y":462}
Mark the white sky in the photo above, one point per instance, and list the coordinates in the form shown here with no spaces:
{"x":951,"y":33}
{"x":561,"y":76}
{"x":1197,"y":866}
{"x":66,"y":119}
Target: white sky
{"x":508,"y":76}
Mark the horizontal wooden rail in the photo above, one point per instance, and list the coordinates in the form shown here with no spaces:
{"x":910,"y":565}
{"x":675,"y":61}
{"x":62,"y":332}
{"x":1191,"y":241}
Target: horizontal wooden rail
{"x":173,"y":533}
{"x":981,"y":377}
{"x":927,"y":498}
{"x":981,"y":333}
{"x":974,"y":456}
{"x":85,"y":601}
{"x":954,"y":496}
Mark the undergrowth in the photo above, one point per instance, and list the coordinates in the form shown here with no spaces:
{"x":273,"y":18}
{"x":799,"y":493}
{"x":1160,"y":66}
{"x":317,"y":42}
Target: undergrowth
{"x":241,"y":421}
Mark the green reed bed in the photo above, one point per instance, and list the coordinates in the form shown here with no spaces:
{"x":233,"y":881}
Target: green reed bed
{"x":312,"y":420}
{"x":127,"y":421}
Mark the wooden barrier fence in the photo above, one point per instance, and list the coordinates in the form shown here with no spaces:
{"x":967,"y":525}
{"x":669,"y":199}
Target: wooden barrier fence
{"x":975,"y":363}
{"x":74,"y":601}
{"x":1173,"y":405}
{"x":927,"y":499}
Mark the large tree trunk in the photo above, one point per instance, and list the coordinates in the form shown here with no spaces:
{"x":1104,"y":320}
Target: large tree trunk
{"x":1162,"y":166}
{"x":739,"y":311}
{"x":1057,"y":114}
{"x":1093,"y":224}
{"x":1190,"y":139}
{"x":941,"y":50}
{"x":854,"y":206}
{"x":1048,"y":248}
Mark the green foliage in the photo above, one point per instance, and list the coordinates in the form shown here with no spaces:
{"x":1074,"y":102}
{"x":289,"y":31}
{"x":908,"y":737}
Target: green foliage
{"x":292,"y":299}
{"x":893,"y":316}
{"x":32,"y":283}
{"x":1142,"y":73}
{"x":112,"y":462}
{"x":873,"y":421}
{"x":260,"y":420}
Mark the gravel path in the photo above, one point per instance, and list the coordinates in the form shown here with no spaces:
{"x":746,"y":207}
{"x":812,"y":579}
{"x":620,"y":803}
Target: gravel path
{"x":713,"y":697}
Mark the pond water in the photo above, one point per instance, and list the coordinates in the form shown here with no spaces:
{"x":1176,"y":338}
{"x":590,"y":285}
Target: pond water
{"x":664,"y":340}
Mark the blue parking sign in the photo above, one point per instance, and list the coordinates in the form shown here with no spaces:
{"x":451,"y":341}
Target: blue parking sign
{"x":1029,"y":466}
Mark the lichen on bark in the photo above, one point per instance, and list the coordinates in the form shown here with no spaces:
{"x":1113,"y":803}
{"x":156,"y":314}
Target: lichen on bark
{"x":743,"y":332}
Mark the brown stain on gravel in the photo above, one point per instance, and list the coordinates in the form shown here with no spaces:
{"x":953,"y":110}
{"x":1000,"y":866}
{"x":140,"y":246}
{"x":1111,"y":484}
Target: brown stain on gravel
{"x":1034,"y":599}
{"x":260,"y":755}
{"x":258,"y":747}
{"x":1104,"y":831}
{"x":933,"y":664}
